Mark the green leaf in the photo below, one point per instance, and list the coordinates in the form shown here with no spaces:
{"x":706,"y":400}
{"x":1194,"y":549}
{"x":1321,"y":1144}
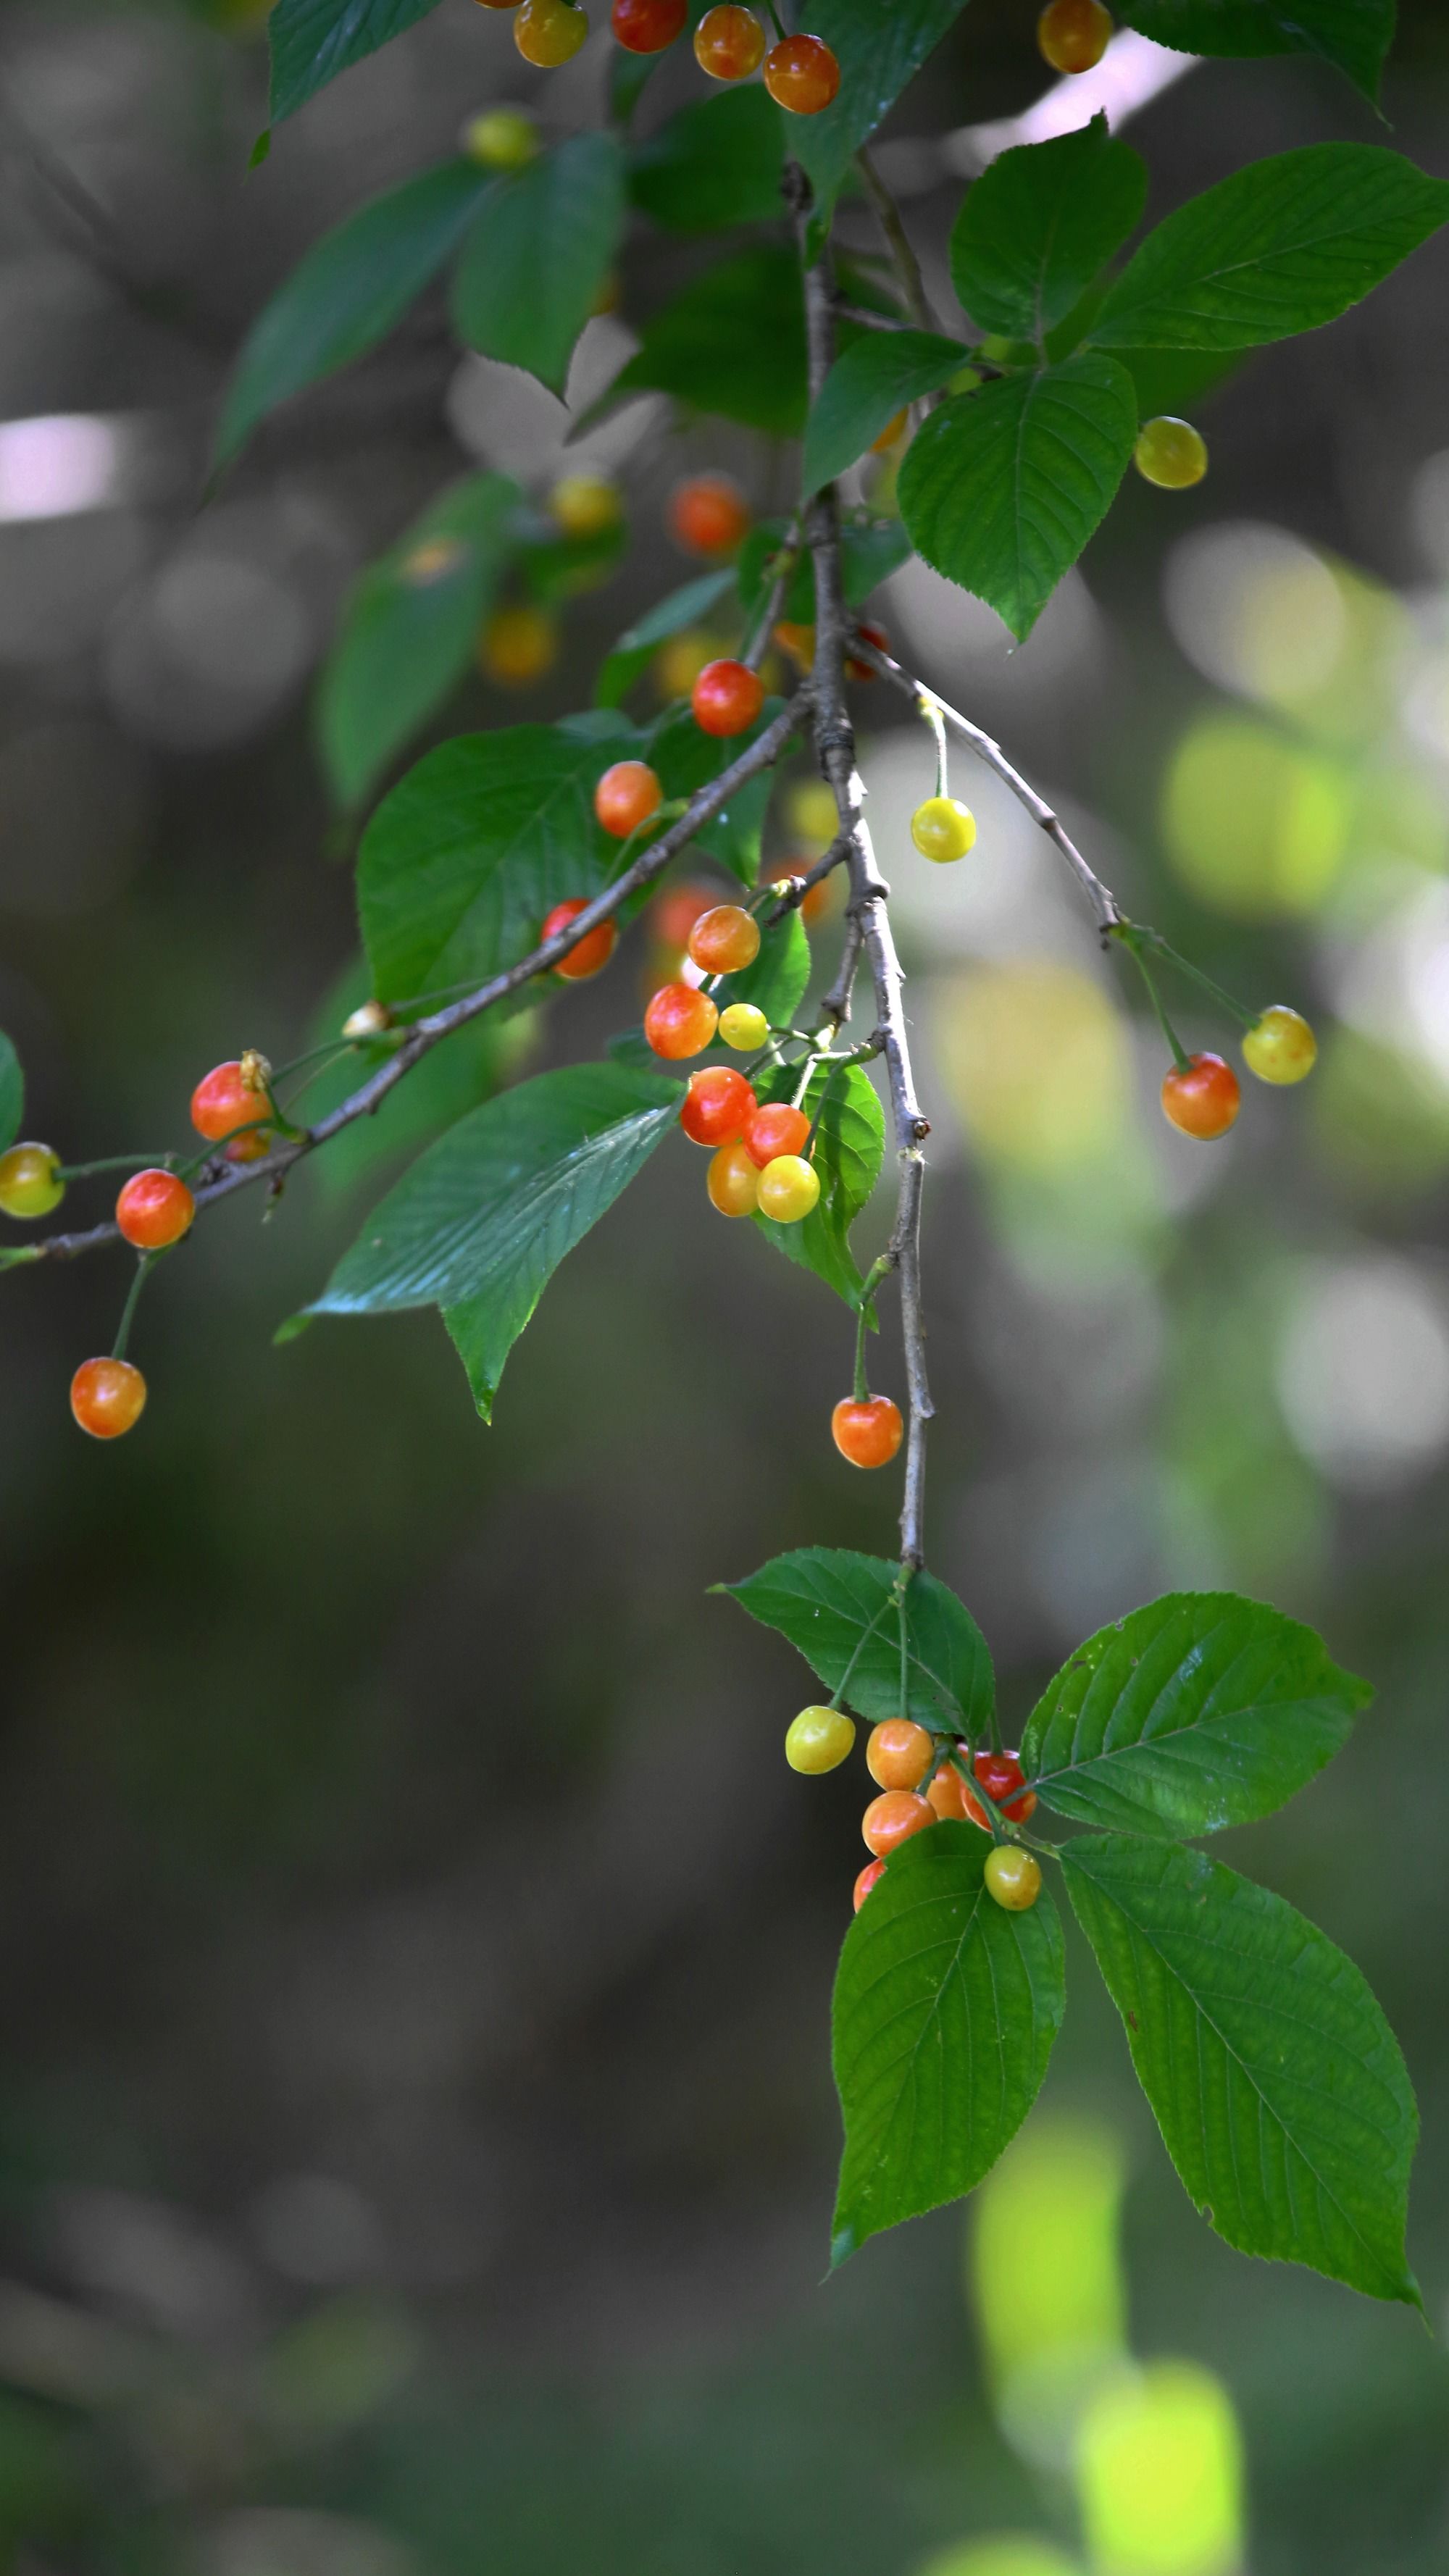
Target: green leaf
{"x":541,"y":248}
{"x":1354,"y":35}
{"x":636,"y":648}
{"x":1039,"y":224}
{"x":464,"y":857}
{"x":450,"y":1079}
{"x":1000,"y":490}
{"x":1201,"y":1711}
{"x":841,"y":1611}
{"x":945,"y":2010}
{"x":875,"y":378}
{"x":1282,"y":246}
{"x":482,"y":1220}
{"x":409,"y":630}
{"x":685,"y":759}
{"x":12,"y":1093}
{"x":733,"y":343}
{"x":870,"y":551}
{"x":879,"y":50}
{"x":776,"y":982}
{"x":1275,"y":2080}
{"x":849,"y":1145}
{"x":352,"y":288}
{"x":313,"y":40}
{"x":718,"y":161}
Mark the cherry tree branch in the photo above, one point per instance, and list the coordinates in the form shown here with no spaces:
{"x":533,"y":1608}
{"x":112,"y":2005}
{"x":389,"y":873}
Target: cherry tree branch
{"x":427,"y":1033}
{"x":868,"y":920}
{"x":898,"y":241}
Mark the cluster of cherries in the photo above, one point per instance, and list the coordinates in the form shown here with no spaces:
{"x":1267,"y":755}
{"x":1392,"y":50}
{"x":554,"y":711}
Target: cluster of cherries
{"x":231,"y":1108}
{"x":922,"y":1782}
{"x":801,"y":73}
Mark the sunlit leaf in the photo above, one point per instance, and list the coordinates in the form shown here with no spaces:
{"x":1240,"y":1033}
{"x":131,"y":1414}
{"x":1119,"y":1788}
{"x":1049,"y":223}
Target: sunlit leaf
{"x":843,"y":1613}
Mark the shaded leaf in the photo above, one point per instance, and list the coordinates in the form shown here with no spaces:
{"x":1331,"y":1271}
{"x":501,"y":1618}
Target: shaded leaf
{"x":879,"y":51}
{"x":1282,"y":246}
{"x":12,"y":1093}
{"x":1353,"y":34}
{"x":869,"y":383}
{"x":483,"y":1219}
{"x":717,"y":161}
{"x":352,"y":288}
{"x":635,"y":650}
{"x":841,"y":1611}
{"x":733,"y":343}
{"x":1001,"y":489}
{"x":409,"y":630}
{"x":686,"y":759}
{"x":1201,"y":1711}
{"x":312,"y":41}
{"x":1037,"y":226}
{"x":871,"y":550}
{"x":541,"y":248}
{"x":945,"y":2010}
{"x":1275,"y":2080}
{"x":467,"y":853}
{"x":776,"y":982}
{"x":450,"y":1079}
{"x":849,"y":1145}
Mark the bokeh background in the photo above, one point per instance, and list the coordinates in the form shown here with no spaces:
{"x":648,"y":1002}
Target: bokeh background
{"x":416,"y":2134}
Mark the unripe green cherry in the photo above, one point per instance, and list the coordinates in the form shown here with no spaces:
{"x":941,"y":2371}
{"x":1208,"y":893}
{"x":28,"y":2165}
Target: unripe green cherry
{"x":1013,"y":1877}
{"x":743,"y":1027}
{"x":1280,"y":1047}
{"x":818,"y":1739}
{"x":28,"y":1183}
{"x":502,"y":138}
{"x":943,"y":829}
{"x":789,"y":1188}
{"x":1170,"y":453}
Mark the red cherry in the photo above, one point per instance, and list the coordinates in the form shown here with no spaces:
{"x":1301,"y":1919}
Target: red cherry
{"x":647,"y":26}
{"x":222,"y":1101}
{"x":802,"y":74}
{"x":708,"y":515}
{"x":726,"y":698}
{"x":891,"y":1818}
{"x":870,"y":1877}
{"x":724,"y":939}
{"x":680,"y":1021}
{"x":729,"y":42}
{"x":716,"y":1105}
{"x":1000,"y":1774}
{"x":868,"y":1434}
{"x":107,"y":1397}
{"x":868,"y":634}
{"x":774,"y":1130}
{"x":154,"y":1209}
{"x":626,"y":796}
{"x":1201,"y":1097}
{"x":588,"y":955}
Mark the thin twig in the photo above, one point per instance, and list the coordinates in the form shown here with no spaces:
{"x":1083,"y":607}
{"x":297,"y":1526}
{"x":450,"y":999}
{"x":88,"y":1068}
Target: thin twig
{"x":868,"y":922}
{"x":1108,"y":910}
{"x":836,"y":856}
{"x":907,"y":267}
{"x":425,"y":1034}
{"x":770,"y":606}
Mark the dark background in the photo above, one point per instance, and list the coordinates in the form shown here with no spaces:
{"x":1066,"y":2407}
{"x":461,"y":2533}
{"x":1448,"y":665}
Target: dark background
{"x":416,"y":2135}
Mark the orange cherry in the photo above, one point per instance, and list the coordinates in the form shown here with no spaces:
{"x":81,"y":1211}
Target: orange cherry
{"x":589,"y":955}
{"x":680,"y":1020}
{"x":729,"y":42}
{"x":774,"y":1130}
{"x":154,"y":1209}
{"x":733,"y":1182}
{"x":892,"y":1818}
{"x":898,"y":1752}
{"x":107,"y":1397}
{"x":708,"y":515}
{"x":626,"y":796}
{"x":870,"y":1877}
{"x":868,"y":1434}
{"x":726,"y":698}
{"x":802,"y":74}
{"x":1201,"y":1097}
{"x":725,"y":939}
{"x":716,"y":1106}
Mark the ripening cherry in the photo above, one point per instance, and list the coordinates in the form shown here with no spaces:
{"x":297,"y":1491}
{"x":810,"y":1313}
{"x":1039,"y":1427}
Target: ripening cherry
{"x":733,"y":1182}
{"x":898,"y":1753}
{"x":1073,"y":35}
{"x":797,"y":643}
{"x":729,"y":43}
{"x":1280,"y":1046}
{"x":626,"y":796}
{"x":589,"y":955}
{"x":502,"y":138}
{"x":744,"y":1027}
{"x":680,"y":1021}
{"x":708,"y":515}
{"x":154,"y":1209}
{"x":868,"y":1433}
{"x":1013,"y":1877}
{"x":647,"y":26}
{"x":1171,"y":454}
{"x":585,"y":505}
{"x":107,"y":1397}
{"x":892,"y":1818}
{"x":1002,"y":1777}
{"x":518,"y":645}
{"x":224,"y":1100}
{"x":716,"y":1106}
{"x":789,"y":1189}
{"x":776,"y":1129}
{"x":943,"y":829}
{"x":549,"y":33}
{"x":726,"y":698}
{"x":802,"y":74}
{"x":1201,"y":1097}
{"x":818,"y":1739}
{"x":947,"y":1793}
{"x":867,"y":633}
{"x":30,"y":1185}
{"x":724,"y":939}
{"x":870,"y":1876}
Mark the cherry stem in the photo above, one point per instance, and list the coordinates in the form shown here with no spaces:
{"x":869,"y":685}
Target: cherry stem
{"x":780,"y":29}
{"x":1179,"y":1053}
{"x":144,"y":1268}
{"x":933,"y":717}
{"x":878,"y":1271}
{"x":1130,"y":932}
{"x":116,"y":1163}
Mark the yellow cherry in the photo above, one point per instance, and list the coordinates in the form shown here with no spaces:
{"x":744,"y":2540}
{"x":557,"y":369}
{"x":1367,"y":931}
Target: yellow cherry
{"x":28,"y":1183}
{"x":943,"y":829}
{"x":1280,"y":1046}
{"x":818,"y":1739}
{"x":743,"y":1027}
{"x":789,"y":1188}
{"x":1013,"y":1877}
{"x":1170,"y":453}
